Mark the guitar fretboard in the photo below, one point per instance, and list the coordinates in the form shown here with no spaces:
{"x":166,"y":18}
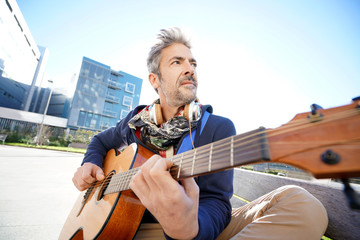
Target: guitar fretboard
{"x":227,"y":153}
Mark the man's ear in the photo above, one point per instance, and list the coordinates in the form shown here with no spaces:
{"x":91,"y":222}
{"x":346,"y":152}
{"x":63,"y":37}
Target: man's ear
{"x":154,"y":80}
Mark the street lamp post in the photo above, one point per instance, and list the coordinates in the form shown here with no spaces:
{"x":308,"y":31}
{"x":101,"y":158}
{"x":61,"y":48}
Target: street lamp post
{"x":43,"y":117}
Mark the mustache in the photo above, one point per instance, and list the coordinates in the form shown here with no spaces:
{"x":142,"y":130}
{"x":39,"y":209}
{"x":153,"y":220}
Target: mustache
{"x":188,"y":78}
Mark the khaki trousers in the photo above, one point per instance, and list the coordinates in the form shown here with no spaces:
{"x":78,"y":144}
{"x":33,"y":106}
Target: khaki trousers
{"x":289,"y":212}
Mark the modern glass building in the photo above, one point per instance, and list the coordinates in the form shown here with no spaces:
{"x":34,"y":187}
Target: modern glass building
{"x":22,"y":67}
{"x":102,"y":97}
{"x":19,"y":54}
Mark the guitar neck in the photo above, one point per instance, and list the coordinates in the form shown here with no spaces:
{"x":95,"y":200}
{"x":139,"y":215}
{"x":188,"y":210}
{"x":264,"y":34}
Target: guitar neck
{"x":225,"y":154}
{"x":325,"y":143}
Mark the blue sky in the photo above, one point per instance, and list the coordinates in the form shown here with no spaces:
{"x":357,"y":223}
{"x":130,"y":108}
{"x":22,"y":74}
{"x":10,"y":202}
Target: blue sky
{"x":260,"y":62}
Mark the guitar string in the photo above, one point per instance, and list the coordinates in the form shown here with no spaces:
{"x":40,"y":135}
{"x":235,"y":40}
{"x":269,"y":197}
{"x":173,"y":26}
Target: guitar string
{"x":125,"y":179}
{"x":191,"y":159}
{"x":289,"y":127}
{"x":225,"y":150}
{"x":225,"y":141}
{"x":118,"y":178}
{"x":220,"y":162}
{"x":121,"y":181}
{"x":225,"y":154}
{"x":188,"y":157}
{"x":219,"y":159}
{"x":270,"y":132}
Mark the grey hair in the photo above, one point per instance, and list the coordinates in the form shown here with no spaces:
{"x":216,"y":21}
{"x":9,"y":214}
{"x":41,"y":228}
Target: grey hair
{"x":166,"y":37}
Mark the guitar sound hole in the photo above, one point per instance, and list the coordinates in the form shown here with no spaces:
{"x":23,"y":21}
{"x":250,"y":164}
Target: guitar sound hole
{"x":104,"y":185}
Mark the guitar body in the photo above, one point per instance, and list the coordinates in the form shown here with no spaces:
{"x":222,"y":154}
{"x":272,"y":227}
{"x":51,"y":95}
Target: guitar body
{"x":112,"y":216}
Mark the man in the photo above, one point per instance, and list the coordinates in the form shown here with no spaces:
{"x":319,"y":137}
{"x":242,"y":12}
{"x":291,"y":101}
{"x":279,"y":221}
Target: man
{"x":189,"y":209}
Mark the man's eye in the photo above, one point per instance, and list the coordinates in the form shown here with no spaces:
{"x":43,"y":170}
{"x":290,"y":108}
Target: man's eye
{"x":176,"y":62}
{"x":194,"y":64}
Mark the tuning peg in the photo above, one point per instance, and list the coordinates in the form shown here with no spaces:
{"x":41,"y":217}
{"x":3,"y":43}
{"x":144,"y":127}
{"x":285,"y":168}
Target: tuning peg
{"x":356,"y":99}
{"x":358,"y":103}
{"x":314,"y":114}
{"x":314,"y":107}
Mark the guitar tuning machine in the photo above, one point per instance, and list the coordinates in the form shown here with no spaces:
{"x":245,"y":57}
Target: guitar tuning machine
{"x":314,"y":115}
{"x":358,"y":102}
{"x":330,"y":157}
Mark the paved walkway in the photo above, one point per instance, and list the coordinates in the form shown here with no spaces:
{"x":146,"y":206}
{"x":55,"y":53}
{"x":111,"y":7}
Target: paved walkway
{"x":36,"y":192}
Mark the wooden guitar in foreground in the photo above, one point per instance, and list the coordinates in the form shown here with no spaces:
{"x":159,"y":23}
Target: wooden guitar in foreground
{"x":323,"y":142}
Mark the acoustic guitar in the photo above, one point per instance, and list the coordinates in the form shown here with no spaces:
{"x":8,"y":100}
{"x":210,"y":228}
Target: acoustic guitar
{"x":325,"y":143}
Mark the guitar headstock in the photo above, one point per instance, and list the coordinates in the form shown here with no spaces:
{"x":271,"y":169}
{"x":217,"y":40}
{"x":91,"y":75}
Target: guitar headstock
{"x":324,"y":142}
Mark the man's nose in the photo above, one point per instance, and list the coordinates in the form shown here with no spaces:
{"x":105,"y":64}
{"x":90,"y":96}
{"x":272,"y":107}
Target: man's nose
{"x":189,"y":68}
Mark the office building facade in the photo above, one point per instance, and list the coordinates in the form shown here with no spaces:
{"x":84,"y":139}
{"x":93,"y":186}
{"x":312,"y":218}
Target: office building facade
{"x":22,"y":67}
{"x":19,"y":54}
{"x":102,"y":97}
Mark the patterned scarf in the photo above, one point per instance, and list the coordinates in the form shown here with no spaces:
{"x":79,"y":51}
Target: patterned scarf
{"x":160,"y":138}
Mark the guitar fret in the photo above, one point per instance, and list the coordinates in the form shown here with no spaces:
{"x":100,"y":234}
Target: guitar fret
{"x":181,"y":159}
{"x":210,"y":156}
{"x":120,"y":181}
{"x":129,"y":177}
{"x":232,"y":151}
{"x":125,"y":180}
{"x":193,"y":163}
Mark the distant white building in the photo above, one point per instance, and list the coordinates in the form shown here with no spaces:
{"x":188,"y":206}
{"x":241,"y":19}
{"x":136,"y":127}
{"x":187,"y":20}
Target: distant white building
{"x":22,"y":67}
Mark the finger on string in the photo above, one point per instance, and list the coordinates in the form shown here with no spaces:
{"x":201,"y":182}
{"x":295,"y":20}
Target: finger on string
{"x":99,"y":174}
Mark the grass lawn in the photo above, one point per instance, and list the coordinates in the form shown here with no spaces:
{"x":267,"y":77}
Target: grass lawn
{"x":65,"y":149}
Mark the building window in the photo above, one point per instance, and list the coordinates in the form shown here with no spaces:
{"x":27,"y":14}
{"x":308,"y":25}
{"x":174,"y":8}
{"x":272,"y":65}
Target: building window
{"x":88,"y":119}
{"x":85,"y":69}
{"x":113,"y":77}
{"x":130,"y":88}
{"x":95,"y":121}
{"x":99,"y":74}
{"x":127,"y":101}
{"x":81,"y":119}
{"x":123,"y":113}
